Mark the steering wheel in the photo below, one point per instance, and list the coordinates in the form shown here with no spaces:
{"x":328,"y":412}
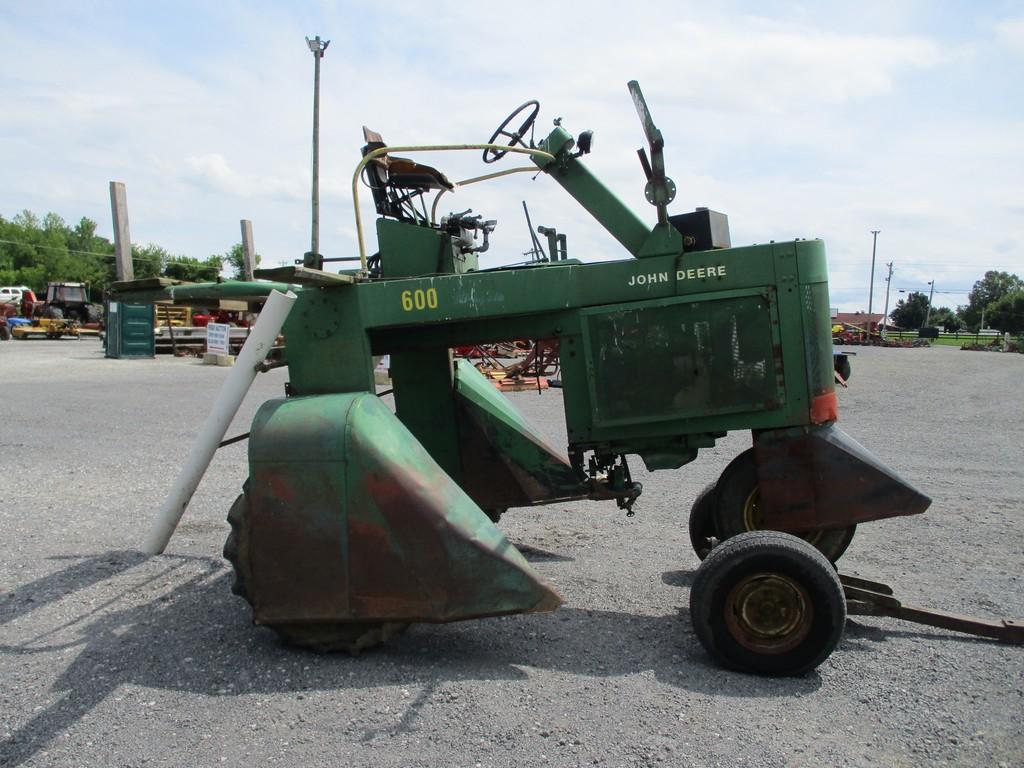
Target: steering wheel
{"x":516,"y":137}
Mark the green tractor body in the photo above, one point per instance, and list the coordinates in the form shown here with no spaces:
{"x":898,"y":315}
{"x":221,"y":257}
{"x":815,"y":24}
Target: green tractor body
{"x":356,"y":518}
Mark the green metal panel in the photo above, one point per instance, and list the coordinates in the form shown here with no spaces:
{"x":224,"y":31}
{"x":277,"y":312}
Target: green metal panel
{"x":327,"y":346}
{"x":506,"y":463}
{"x":754,"y":292}
{"x":423,"y":381}
{"x":351,"y":519}
{"x":512,"y":294}
{"x":680,"y":358}
{"x":130,"y":330}
{"x":413,"y":249}
{"x":816,"y":316}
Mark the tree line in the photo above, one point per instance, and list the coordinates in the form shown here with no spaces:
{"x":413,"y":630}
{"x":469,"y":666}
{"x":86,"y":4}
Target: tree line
{"x":35,"y":251}
{"x":997,"y":300}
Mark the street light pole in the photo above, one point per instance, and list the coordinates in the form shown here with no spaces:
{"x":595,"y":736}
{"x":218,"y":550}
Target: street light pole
{"x":871,"y":285}
{"x":888,"y":283}
{"x":317,"y":46}
{"x":928,"y":314}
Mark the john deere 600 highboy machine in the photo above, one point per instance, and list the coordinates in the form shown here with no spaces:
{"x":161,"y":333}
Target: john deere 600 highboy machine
{"x":356,"y":521}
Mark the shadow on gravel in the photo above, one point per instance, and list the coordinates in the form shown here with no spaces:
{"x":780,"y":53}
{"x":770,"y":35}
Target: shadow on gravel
{"x":48,"y":589}
{"x":538,"y":555}
{"x":678,"y":578}
{"x":171,"y":623}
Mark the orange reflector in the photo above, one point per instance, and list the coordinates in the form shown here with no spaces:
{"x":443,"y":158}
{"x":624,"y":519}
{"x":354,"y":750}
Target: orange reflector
{"x":825,"y":408}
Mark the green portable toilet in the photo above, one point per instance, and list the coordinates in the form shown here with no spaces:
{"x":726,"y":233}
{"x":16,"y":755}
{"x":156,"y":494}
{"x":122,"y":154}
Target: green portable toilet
{"x":130,"y":330}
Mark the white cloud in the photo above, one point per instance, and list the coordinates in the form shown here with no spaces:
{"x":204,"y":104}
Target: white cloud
{"x":1010,"y":32}
{"x":213,"y":172}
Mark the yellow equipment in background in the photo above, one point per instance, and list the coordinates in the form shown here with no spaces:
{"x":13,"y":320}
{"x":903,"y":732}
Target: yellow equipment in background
{"x":52,"y":329}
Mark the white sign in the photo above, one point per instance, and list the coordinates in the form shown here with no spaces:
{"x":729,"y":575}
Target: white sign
{"x":217,"y":338}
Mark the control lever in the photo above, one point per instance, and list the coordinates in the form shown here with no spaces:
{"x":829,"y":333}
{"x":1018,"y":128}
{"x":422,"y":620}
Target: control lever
{"x":645,"y":163}
{"x":461,"y":224}
{"x":660,"y":189}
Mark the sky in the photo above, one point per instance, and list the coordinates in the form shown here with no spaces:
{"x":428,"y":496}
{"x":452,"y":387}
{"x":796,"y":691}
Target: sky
{"x":796,"y":119}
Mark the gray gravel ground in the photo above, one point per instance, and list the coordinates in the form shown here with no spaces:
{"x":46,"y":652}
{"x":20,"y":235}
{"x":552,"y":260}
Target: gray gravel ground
{"x":108,"y":658}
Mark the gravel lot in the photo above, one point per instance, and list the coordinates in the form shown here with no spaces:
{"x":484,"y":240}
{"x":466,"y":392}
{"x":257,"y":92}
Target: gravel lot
{"x":109,"y":658}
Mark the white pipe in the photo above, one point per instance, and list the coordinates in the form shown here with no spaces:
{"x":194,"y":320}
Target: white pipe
{"x":228,"y":401}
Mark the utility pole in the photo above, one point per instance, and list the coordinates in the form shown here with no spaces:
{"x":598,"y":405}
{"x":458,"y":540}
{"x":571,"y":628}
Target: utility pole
{"x":871,"y":285}
{"x":317,"y":46}
{"x":248,"y":251}
{"x":122,"y":240}
{"x":888,"y":283}
{"x":928,"y":314}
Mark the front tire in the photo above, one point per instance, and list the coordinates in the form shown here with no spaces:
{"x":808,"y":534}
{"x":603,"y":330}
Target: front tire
{"x":738,"y":510}
{"x":702,"y":521}
{"x":768,"y":603}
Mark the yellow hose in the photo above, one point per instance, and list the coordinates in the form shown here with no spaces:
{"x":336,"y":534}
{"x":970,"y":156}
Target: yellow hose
{"x":476,"y":179}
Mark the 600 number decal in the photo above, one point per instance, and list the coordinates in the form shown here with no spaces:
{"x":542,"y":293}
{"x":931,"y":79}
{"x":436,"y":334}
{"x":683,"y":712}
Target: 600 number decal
{"x":419,"y":299}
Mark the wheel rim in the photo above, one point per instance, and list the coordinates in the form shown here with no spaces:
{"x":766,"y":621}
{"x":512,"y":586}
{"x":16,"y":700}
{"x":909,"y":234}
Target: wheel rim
{"x":769,"y":613}
{"x":753,"y":519}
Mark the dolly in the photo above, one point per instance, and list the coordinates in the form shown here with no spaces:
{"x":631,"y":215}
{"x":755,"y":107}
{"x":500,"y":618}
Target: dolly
{"x":357,"y":521}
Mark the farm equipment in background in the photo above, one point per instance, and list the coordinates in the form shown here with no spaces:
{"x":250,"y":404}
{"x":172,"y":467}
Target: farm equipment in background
{"x":357,"y":521}
{"x":858,"y":336}
{"x":66,"y":311}
{"x":42,"y":327}
{"x":515,"y":366}
{"x":68,"y":301}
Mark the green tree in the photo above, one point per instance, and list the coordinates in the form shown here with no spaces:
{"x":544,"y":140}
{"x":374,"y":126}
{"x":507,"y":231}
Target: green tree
{"x":910,"y":312}
{"x":1007,"y":314}
{"x":991,"y":288}
{"x":193,"y":270}
{"x":35,"y":251}
{"x":945,"y":318}
{"x":235,"y":258}
{"x":148,"y":260}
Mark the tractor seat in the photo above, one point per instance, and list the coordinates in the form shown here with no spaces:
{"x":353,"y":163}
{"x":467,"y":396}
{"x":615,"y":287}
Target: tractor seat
{"x":401,"y":172}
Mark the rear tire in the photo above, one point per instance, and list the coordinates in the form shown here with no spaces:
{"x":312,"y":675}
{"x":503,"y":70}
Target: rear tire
{"x":768,"y":603}
{"x":843,"y":367}
{"x":353,"y":637}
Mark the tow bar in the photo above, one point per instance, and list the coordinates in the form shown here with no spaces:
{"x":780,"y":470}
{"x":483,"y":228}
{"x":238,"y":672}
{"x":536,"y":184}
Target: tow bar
{"x":870,"y":598}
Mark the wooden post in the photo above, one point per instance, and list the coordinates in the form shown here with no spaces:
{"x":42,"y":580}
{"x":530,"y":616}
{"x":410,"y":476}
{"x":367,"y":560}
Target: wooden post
{"x":170,"y":331}
{"x":248,"y":251}
{"x":122,"y":240}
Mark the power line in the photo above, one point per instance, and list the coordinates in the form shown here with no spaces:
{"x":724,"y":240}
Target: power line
{"x":60,"y":248}
{"x":951,"y":290}
{"x":1006,"y":267}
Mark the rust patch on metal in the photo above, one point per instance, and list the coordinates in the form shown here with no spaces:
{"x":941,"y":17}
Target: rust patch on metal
{"x":826,"y":479}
